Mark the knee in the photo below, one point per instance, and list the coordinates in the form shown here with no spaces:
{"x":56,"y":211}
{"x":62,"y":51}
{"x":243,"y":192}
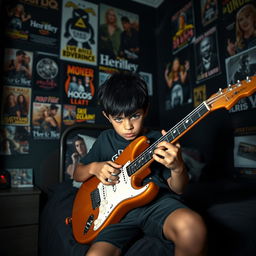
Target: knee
{"x":186,"y":226}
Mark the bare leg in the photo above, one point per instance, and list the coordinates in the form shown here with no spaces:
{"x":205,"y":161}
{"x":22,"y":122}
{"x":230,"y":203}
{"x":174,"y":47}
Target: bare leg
{"x":187,"y":230}
{"x":103,"y":249}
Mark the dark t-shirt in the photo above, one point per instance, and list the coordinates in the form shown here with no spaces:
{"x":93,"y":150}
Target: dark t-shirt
{"x":110,"y":145}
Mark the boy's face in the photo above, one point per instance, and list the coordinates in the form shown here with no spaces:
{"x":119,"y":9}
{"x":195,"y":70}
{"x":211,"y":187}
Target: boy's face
{"x":128,"y":127}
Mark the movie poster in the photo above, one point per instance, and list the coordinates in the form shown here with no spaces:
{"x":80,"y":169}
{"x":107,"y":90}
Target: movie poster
{"x":14,"y":140}
{"x":209,"y":11}
{"x":79,"y":32}
{"x":69,"y":114}
{"x":177,"y":75}
{"x":148,"y":78}
{"x":207,"y":55}
{"x":199,"y":94}
{"x":119,"y":48}
{"x":46,"y":119}
{"x":46,"y":71}
{"x":21,"y":177}
{"x":183,"y":28}
{"x":245,"y":151}
{"x":15,"y":108}
{"x":17,"y":67}
{"x":77,"y":147}
{"x":240,"y":27}
{"x":33,"y":21}
{"x":241,"y":65}
{"x":79,"y":84}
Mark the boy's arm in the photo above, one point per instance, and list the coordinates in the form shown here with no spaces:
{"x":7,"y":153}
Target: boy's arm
{"x":170,"y":156}
{"x":107,"y":172}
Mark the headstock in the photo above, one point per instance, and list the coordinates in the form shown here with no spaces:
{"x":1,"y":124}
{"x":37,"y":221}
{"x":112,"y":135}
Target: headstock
{"x":228,"y":97}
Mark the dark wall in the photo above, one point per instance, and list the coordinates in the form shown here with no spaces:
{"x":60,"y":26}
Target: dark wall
{"x":214,"y":135}
{"x":44,"y":154}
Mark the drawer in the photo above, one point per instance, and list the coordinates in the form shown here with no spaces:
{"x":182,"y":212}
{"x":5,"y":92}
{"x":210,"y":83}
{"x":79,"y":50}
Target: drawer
{"x":19,"y":241}
{"x":19,"y":210}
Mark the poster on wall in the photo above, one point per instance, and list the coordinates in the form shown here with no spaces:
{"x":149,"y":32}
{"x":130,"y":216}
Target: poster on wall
{"x":73,"y":114}
{"x":46,"y":71}
{"x":46,"y":118}
{"x":177,"y":75}
{"x":21,"y":177}
{"x":15,"y":109}
{"x":148,"y":78}
{"x":17,"y":67}
{"x":14,"y":140}
{"x":33,"y":21}
{"x":199,"y":94}
{"x":207,"y":55}
{"x":79,"y":32}
{"x":245,"y":151}
{"x":79,"y":84}
{"x":209,"y":11}
{"x":183,"y":27}
{"x":241,"y":65}
{"x":240,"y":26}
{"x":118,"y":38}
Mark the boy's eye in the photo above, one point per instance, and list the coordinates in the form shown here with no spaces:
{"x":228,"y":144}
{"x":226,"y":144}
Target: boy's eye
{"x":135,"y":116}
{"x":118,"y":119}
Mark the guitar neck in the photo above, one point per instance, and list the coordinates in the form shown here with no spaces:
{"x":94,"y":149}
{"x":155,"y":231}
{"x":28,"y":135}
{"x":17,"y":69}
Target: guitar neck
{"x":171,"y":136}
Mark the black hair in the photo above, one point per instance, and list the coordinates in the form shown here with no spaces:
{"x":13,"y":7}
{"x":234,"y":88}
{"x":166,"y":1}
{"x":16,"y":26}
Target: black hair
{"x":53,"y":106}
{"x":123,"y":93}
{"x":125,"y":19}
{"x":20,"y":52}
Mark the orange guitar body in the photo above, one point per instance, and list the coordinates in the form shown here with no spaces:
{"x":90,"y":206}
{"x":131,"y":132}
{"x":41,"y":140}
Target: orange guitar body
{"x":83,"y":209}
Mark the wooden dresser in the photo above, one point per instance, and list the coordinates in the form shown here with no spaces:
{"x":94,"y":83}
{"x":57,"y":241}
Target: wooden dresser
{"x":19,"y":221}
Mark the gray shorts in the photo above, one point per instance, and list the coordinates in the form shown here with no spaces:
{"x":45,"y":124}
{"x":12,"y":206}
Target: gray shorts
{"x":148,"y":219}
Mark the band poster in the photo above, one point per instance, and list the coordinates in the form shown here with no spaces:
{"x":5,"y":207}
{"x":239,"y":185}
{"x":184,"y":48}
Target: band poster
{"x":46,"y":71}
{"x":14,"y":140}
{"x":177,"y":75}
{"x":240,"y":27}
{"x":16,"y":105}
{"x":79,"y":32}
{"x":245,"y":151}
{"x":183,"y":27}
{"x":46,"y":118}
{"x":33,"y":21}
{"x":119,"y":49}
{"x":207,"y":55}
{"x":209,"y":11}
{"x":77,"y":114}
{"x":79,"y":84}
{"x":17,"y":67}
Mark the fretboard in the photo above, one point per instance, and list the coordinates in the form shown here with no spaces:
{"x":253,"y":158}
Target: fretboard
{"x":177,"y":131}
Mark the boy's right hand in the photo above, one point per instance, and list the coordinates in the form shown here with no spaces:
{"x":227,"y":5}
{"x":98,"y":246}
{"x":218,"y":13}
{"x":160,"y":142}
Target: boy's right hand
{"x":107,"y":172}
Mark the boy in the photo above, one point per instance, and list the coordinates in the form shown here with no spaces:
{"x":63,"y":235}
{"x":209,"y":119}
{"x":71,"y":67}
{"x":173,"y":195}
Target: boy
{"x":124,"y":99}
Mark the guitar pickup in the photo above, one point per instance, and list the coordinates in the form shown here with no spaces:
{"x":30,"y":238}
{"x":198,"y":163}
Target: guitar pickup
{"x":88,"y":224}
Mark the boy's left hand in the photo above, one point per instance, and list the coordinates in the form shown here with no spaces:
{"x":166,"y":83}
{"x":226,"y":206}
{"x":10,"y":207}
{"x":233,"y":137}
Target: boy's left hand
{"x":169,"y":155}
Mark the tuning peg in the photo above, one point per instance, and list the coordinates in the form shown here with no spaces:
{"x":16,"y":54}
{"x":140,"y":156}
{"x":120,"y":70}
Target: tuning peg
{"x":238,"y":83}
{"x":248,"y":80}
{"x":220,"y":91}
{"x":229,"y":87}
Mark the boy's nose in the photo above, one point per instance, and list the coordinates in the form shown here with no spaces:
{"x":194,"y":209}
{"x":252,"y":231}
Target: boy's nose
{"x":128,"y":124}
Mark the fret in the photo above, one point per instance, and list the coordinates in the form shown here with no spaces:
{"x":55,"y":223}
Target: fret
{"x":188,"y":121}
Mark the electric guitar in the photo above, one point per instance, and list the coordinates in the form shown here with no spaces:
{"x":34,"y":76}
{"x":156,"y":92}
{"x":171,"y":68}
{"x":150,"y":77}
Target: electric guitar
{"x":97,"y":205}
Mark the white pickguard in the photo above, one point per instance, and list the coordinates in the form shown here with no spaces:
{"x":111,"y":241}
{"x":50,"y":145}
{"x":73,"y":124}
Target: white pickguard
{"x":111,"y":196}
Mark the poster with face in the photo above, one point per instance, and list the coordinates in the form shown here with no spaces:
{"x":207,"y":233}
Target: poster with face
{"x":177,"y":76}
{"x":119,"y":46}
{"x":79,"y":32}
{"x":207,"y":55}
{"x":33,"y":21}
{"x":15,"y":109}
{"x":46,"y":118}
{"x":240,"y":26}
{"x":183,"y":28}
{"x":18,"y":67}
